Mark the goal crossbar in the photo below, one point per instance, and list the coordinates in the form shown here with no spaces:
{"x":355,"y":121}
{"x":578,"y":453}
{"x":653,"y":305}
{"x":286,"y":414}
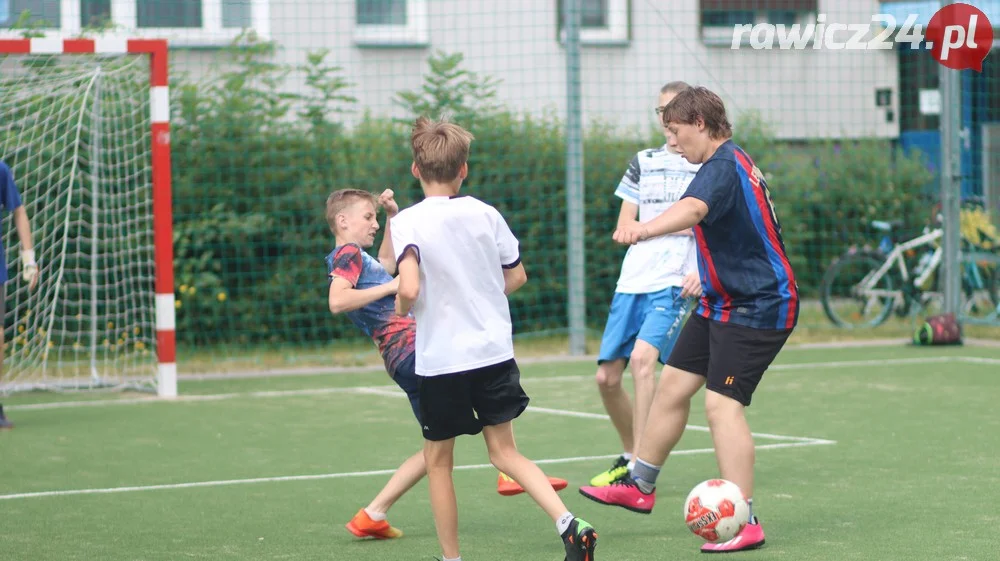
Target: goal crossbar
{"x":156,"y":50}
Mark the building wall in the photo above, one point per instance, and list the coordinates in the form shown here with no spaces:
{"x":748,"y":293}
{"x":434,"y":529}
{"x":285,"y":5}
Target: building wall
{"x":804,"y":94}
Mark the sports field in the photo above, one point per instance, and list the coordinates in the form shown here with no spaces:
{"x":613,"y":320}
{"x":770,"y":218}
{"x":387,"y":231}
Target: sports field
{"x":863,"y":453}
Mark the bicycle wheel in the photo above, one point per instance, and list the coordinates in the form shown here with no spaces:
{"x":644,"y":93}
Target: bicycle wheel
{"x":845,"y":303}
{"x":981,"y":289}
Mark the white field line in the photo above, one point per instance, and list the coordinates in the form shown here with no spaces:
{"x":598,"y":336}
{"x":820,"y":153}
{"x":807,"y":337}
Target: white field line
{"x":555,"y":358}
{"x":320,"y":391}
{"x":979,"y":360}
{"x":604,"y":417}
{"x":348,"y":474}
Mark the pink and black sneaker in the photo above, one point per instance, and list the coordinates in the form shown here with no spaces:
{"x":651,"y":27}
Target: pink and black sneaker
{"x":751,"y":537}
{"x":624,"y":493}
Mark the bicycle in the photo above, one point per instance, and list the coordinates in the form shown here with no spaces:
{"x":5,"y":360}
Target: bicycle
{"x":862,"y":287}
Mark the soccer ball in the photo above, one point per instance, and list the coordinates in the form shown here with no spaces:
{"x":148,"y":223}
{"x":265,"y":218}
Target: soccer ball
{"x":716,"y":510}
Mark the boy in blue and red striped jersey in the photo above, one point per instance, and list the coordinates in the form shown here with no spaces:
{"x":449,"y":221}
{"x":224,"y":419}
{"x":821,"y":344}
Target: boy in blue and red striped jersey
{"x":749,"y":307}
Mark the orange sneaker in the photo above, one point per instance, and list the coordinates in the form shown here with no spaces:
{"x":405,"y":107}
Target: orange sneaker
{"x":363,"y":526}
{"x":508,"y":487}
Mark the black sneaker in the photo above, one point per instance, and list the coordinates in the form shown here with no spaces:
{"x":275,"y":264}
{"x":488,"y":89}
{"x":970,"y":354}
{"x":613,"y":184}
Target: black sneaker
{"x":580,"y":540}
{"x":4,"y":423}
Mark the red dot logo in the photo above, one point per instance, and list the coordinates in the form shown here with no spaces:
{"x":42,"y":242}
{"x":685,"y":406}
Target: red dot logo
{"x":960,"y":36}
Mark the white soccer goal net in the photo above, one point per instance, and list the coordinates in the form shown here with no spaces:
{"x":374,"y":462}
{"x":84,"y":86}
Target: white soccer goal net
{"x":75,"y":130}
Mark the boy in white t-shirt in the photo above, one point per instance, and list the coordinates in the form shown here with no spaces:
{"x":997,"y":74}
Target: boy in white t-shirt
{"x":457,"y":261}
{"x":650,"y":301}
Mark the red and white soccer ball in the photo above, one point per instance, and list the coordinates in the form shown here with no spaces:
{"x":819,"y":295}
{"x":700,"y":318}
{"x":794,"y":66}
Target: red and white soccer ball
{"x":716,"y":510}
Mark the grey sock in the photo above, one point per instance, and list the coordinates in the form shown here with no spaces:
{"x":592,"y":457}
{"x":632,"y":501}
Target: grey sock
{"x":645,"y":475}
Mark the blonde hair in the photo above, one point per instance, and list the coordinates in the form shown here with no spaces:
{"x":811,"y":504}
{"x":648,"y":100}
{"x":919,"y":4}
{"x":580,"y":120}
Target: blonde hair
{"x":340,"y":200}
{"x":440,"y":149}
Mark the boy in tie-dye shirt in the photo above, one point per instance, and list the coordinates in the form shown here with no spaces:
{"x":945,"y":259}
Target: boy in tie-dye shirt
{"x":363,"y":287}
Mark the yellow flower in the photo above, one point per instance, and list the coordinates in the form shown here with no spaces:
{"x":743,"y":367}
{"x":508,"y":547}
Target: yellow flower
{"x":111,"y":325}
{"x":139,"y":345}
{"x":76,"y":345}
{"x":193,"y":290}
{"x":51,"y":344}
{"x":20,"y":329}
{"x":183,"y":288}
{"x":221,"y":296}
{"x":135,"y":330}
{"x":177,"y":303}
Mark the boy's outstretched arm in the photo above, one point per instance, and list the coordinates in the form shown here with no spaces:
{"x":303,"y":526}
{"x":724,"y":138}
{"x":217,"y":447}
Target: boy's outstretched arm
{"x":514,"y":278}
{"x":345,"y":298}
{"x":409,"y":282}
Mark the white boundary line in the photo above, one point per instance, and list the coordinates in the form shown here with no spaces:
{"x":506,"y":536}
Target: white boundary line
{"x":557,"y":359}
{"x":348,"y":474}
{"x":376,"y":389}
{"x":791,"y":442}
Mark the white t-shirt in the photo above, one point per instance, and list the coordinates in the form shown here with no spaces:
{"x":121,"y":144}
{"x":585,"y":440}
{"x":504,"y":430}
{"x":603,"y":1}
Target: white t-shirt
{"x":463,"y":318}
{"x":655,"y":180}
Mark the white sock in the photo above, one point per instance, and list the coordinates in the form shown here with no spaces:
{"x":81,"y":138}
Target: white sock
{"x":630,"y":465}
{"x":459,"y":558}
{"x":627,"y":455}
{"x":376,"y":516}
{"x":562,"y":524}
{"x":750,"y":506}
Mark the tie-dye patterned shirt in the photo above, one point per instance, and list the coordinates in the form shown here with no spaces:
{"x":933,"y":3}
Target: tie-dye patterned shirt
{"x":393,"y":334}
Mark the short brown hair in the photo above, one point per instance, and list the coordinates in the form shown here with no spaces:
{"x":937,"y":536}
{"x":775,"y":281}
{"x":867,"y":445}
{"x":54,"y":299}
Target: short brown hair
{"x":439,"y":149}
{"x":339,"y":200}
{"x":696,"y":102}
{"x":674,"y":87}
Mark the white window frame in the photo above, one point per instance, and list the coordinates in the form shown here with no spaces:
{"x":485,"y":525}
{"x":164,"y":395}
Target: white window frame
{"x":414,"y":33}
{"x":722,"y":36}
{"x":614,"y":34}
{"x":124,"y":17}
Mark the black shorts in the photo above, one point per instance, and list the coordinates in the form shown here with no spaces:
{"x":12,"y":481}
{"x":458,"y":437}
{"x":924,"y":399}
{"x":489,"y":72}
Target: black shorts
{"x":465,"y":402}
{"x":731,"y":357}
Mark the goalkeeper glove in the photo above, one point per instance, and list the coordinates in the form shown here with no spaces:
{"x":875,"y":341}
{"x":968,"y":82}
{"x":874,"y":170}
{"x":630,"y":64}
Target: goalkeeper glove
{"x":28,"y":265}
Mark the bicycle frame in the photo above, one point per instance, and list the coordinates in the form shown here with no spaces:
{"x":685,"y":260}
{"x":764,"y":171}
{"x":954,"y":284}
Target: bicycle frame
{"x":895,"y":257}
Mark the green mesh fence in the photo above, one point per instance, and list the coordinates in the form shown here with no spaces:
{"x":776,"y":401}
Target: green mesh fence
{"x":276,"y":103}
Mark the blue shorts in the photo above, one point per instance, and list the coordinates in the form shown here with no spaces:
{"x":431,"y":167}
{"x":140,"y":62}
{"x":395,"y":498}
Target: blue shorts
{"x":655,"y":318}
{"x":406,"y":378}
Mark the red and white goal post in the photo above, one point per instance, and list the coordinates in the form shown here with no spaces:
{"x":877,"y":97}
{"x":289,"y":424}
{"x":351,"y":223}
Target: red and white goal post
{"x":85,"y":128}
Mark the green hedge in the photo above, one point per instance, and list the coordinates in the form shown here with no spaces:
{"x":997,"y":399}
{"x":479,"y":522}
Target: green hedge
{"x":253,"y":166}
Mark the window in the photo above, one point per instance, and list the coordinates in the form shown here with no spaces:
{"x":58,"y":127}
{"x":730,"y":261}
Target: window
{"x":41,"y":11}
{"x":719,"y":17}
{"x":602,"y":22}
{"x":391,"y":23}
{"x":182,"y":22}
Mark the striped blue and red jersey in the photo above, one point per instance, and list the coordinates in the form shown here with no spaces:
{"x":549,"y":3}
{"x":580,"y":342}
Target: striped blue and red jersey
{"x":745,"y":273}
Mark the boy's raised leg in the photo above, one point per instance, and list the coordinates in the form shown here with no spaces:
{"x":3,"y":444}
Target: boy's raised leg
{"x":579,"y":537}
{"x":664,"y":428}
{"x":371,"y":520}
